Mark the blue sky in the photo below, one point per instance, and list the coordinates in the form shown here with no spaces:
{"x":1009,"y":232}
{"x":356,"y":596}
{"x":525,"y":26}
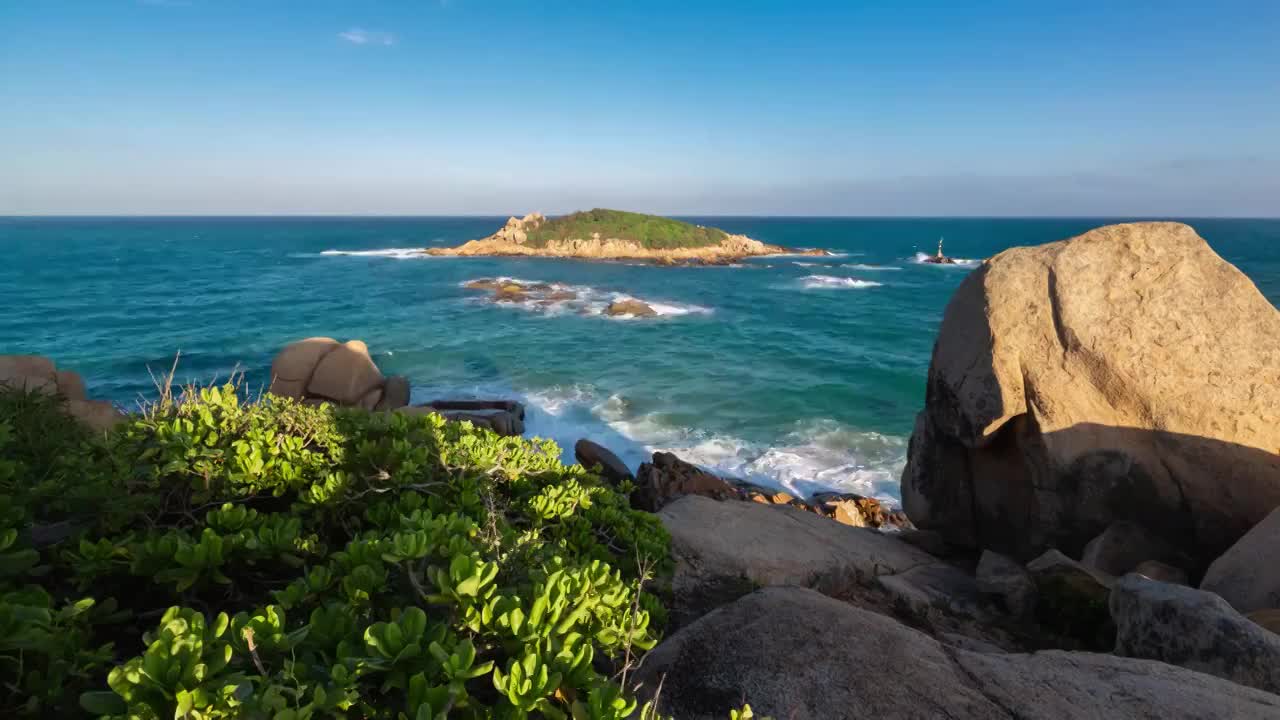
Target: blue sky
{"x":1036,"y":107}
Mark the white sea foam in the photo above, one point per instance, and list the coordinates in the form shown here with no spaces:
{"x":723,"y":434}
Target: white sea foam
{"x":924,"y":259}
{"x":397,"y":253}
{"x":871,"y":268}
{"x":831,"y":282}
{"x":812,"y":456}
{"x":819,"y":454}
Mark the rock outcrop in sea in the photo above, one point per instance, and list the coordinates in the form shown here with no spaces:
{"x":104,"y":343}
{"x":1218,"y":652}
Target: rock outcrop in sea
{"x":513,"y":240}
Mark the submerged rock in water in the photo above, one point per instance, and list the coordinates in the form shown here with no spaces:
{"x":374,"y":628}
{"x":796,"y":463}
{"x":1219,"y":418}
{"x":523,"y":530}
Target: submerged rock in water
{"x":1126,"y":374}
{"x":634,"y":308}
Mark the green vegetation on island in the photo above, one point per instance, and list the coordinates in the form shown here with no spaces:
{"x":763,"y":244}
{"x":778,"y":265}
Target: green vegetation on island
{"x":217,"y":558}
{"x":649,"y":231}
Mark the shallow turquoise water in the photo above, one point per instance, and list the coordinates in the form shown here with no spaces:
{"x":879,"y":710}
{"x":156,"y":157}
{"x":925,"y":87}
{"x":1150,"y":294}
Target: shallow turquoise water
{"x":801,"y":372}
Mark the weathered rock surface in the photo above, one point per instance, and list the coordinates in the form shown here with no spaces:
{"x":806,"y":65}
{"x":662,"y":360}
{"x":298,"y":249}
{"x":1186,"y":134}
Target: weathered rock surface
{"x":793,"y":653}
{"x":1001,"y":576}
{"x":668,"y":477}
{"x":28,"y":372}
{"x":501,"y":416}
{"x":1126,"y":374}
{"x":635,"y":308}
{"x":35,"y":373}
{"x":935,"y":586}
{"x":590,"y":454}
{"x":395,"y":393}
{"x":345,"y":374}
{"x":321,"y":369}
{"x":1071,"y":599}
{"x":1268,"y":619}
{"x":725,"y":549}
{"x":1248,"y":574}
{"x":1193,"y":629}
{"x":1163,"y":572}
{"x":1121,"y":547}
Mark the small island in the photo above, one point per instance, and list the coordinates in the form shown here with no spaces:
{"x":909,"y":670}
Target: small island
{"x":617,"y":235}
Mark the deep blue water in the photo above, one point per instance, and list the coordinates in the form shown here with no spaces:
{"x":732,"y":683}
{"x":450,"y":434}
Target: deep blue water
{"x":797,"y":371}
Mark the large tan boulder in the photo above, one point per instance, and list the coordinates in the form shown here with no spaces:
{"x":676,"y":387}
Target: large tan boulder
{"x":1248,"y":575}
{"x":296,"y":363}
{"x":28,"y":372}
{"x":35,"y":373}
{"x":793,"y":653}
{"x":346,"y":374}
{"x":1126,"y":374}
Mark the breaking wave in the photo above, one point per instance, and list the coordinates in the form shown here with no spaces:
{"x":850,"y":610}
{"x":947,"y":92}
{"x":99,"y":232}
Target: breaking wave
{"x":831,"y":282}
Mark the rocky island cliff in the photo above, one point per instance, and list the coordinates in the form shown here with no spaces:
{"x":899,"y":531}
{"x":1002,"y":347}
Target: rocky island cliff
{"x":616,"y":235}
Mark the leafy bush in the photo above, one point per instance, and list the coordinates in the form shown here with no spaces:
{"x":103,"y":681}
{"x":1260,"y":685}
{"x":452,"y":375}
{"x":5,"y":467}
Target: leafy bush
{"x":285,"y":561}
{"x":649,"y":231}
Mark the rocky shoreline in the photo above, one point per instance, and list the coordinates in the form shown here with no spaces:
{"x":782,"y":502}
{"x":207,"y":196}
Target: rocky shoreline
{"x":1092,"y":508}
{"x":511,"y":241}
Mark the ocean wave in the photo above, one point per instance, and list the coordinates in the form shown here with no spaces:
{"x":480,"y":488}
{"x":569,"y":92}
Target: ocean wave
{"x":924,"y":259}
{"x":831,"y":282}
{"x":815,"y":455}
{"x":871,"y":268}
{"x":397,"y":253}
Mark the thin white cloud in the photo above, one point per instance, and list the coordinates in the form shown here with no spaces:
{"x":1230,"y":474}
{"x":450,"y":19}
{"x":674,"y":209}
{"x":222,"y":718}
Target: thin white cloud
{"x":360,"y":36}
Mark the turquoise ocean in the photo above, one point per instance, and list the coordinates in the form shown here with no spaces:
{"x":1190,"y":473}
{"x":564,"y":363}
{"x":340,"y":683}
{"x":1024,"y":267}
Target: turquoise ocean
{"x":798,"y":372}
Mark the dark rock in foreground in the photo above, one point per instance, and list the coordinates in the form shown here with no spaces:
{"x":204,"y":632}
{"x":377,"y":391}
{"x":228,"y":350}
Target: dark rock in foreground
{"x":794,"y":653}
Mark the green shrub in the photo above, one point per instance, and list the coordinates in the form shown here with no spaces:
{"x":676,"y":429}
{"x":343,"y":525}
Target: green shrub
{"x":649,"y":231}
{"x":275,"y":560}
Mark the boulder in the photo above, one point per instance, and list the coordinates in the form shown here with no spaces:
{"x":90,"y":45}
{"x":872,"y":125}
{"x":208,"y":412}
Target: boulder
{"x":667,"y":477}
{"x":796,"y":654}
{"x":510,"y":292}
{"x":345,"y":374}
{"x":1248,"y":574}
{"x":28,"y":372}
{"x":1269,"y":619}
{"x":99,"y":415}
{"x":590,"y":455}
{"x":1126,"y":374}
{"x":1001,"y":576}
{"x":1163,"y":572}
{"x":723,"y":549}
{"x":635,"y":308}
{"x":1071,"y":599}
{"x":1121,"y":547}
{"x":395,"y":393}
{"x":937,"y":586}
{"x":71,"y":385}
{"x":294,"y":365}
{"x":1193,"y":629}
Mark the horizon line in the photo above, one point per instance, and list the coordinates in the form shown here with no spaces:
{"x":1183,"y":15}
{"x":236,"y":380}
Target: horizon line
{"x":798,"y":216}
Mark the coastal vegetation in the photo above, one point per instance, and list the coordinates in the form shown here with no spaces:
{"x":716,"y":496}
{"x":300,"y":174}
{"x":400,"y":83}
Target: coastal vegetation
{"x":648,"y":231}
{"x":218,"y":558}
